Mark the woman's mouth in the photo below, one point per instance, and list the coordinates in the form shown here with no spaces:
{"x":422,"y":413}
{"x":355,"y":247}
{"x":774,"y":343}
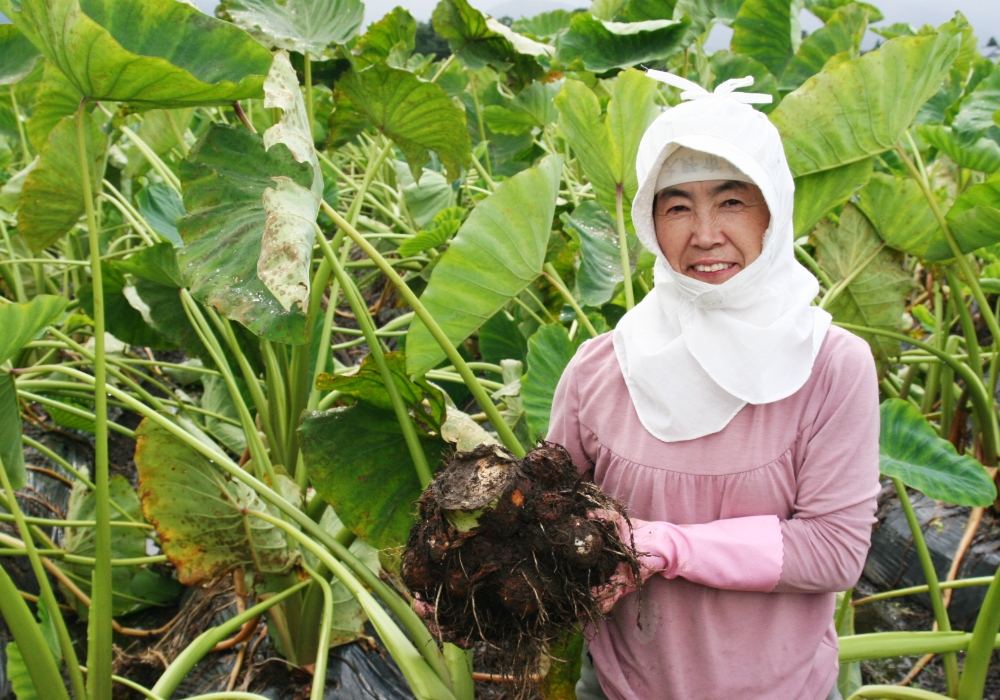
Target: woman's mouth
{"x":714,"y":267}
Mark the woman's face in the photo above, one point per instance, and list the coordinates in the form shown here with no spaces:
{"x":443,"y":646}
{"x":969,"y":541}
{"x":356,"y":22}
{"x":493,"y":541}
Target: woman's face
{"x":710,"y":230}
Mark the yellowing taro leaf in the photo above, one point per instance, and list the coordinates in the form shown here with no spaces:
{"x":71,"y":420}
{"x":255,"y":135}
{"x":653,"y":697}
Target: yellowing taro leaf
{"x":290,"y":210}
{"x":200,"y":514}
{"x":876,"y":295}
{"x":859,"y":108}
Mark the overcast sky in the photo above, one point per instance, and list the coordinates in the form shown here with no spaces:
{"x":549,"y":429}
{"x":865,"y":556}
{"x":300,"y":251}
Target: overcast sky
{"x":983,"y":14}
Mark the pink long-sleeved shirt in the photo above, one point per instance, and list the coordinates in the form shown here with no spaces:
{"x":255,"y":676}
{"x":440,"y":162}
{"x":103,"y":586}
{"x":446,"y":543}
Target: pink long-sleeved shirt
{"x":811,"y":459}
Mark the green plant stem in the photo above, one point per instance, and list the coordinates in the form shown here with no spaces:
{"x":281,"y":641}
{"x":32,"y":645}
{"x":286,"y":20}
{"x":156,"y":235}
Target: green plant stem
{"x":484,"y":173}
{"x":53,"y":522}
{"x":460,"y":666}
{"x":15,"y":268}
{"x":977,"y":392}
{"x":623,"y":250}
{"x":364,"y":320}
{"x":980,"y":651}
{"x":42,"y":667}
{"x":421,"y":677}
{"x":158,"y":165}
{"x":261,"y":460}
{"x":963,"y":263}
{"x":968,"y":327}
{"x":884,"y":645}
{"x":374,"y":164}
{"x":308,"y":89}
{"x":845,"y":606}
{"x":323,"y":651}
{"x":47,"y":595}
{"x":323,"y":354}
{"x":99,"y":652}
{"x":25,"y":144}
{"x":933,"y":586}
{"x":503,"y":430}
{"x":913,"y":590}
{"x":338,"y":544}
{"x":895,"y":692}
{"x":556,"y":280}
{"x":203,"y":644}
{"x":482,"y":134}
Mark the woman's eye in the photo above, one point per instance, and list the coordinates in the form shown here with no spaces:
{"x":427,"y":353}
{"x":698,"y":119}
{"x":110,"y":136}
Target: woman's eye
{"x":677,"y":209}
{"x":732,"y":203}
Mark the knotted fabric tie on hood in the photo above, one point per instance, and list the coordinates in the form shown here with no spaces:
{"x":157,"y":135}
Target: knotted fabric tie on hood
{"x":693,"y":353}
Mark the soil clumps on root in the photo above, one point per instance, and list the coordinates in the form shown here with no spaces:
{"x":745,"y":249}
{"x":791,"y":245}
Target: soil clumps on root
{"x":504,"y":553}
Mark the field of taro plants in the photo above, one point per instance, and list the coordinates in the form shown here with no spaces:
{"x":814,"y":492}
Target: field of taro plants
{"x":261,"y":272}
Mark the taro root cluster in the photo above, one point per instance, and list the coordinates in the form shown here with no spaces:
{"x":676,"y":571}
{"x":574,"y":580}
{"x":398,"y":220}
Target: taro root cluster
{"x":504,"y":553}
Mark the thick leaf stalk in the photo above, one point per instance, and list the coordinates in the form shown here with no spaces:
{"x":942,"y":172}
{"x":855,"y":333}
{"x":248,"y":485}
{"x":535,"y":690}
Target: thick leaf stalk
{"x":503,"y":430}
{"x":99,"y":653}
{"x":984,"y":640}
{"x":206,"y":641}
{"x":47,"y":595}
{"x":41,"y":667}
{"x":933,"y":585}
{"x":363,"y":316}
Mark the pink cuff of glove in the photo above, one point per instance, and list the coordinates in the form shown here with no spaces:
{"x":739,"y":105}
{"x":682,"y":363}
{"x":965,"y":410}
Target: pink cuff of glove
{"x":736,"y":554}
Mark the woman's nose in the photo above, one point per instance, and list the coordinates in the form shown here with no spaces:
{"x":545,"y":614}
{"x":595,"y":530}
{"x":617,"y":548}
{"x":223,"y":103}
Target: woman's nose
{"x":706,"y":232}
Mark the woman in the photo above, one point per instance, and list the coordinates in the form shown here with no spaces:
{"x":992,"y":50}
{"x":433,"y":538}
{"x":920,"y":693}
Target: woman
{"x":738,"y":425}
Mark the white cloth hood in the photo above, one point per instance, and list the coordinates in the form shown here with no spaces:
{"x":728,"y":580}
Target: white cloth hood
{"x":693,"y":353}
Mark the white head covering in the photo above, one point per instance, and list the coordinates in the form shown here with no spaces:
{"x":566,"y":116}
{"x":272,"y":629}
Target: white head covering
{"x":693,"y":353}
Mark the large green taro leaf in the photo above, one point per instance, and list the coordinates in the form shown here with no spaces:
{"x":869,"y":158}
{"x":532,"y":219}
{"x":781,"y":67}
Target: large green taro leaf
{"x":606,"y":148}
{"x":979,"y":109}
{"x":600,"y":258}
{"x":841,"y":35}
{"x":157,"y":284}
{"x":161,"y":206}
{"x":604,"y":46}
{"x":22,"y":322}
{"x":900,"y":214}
{"x":123,"y":320}
{"x":17,"y":55}
{"x":149,"y":52}
{"x":298,"y":25}
{"x":52,"y":196}
{"x":501,"y":339}
{"x":200,"y":514}
{"x":818,"y":194}
{"x":543,"y":25}
{"x":876,"y":297}
{"x":499,"y":251}
{"x":359,"y":463}
{"x":982,"y":154}
{"x":223,"y":179}
{"x":391,"y":39}
{"x":911,"y":451}
{"x":55,"y":98}
{"x":974,"y":218}
{"x":11,"y":451}
{"x":425,"y":402}
{"x":476,"y":45}
{"x":764,"y":30}
{"x":133,"y":588}
{"x":861,"y":107}
{"x":549,"y":351}
{"x":418,"y":115}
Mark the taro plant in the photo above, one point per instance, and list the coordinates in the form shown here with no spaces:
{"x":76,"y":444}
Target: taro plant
{"x":298,"y":264}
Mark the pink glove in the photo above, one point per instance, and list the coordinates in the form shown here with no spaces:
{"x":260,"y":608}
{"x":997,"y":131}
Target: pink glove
{"x":736,"y":554}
